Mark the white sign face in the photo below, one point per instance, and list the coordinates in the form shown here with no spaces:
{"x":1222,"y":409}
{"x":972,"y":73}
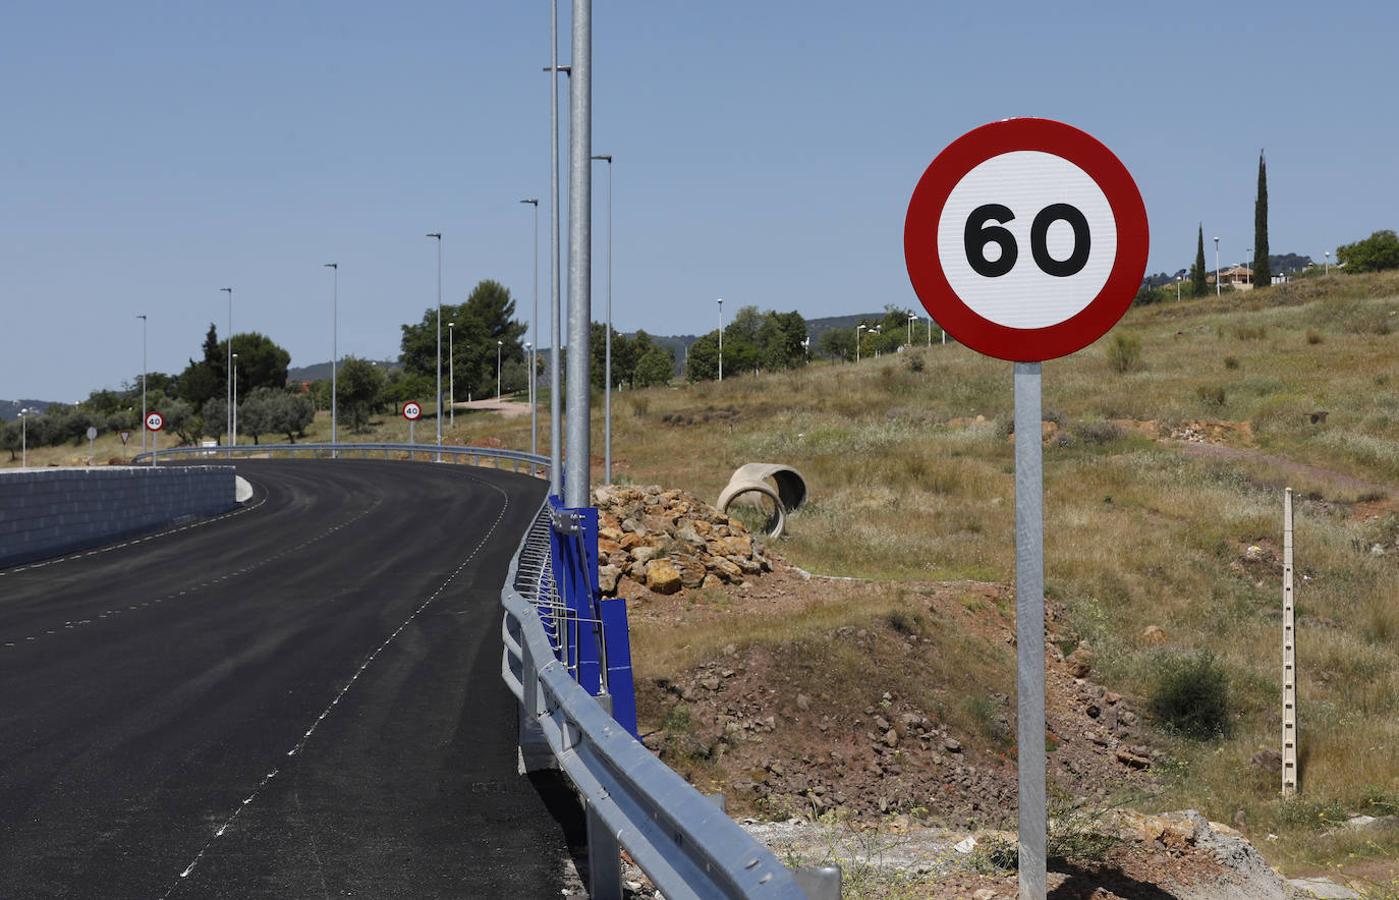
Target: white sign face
{"x":91,"y":433}
{"x":412,"y":411}
{"x":155,"y":421}
{"x":125,"y":436}
{"x":1027,"y":239}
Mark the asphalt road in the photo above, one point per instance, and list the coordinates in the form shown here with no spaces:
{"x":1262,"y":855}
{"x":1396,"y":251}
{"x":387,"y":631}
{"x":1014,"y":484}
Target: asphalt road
{"x":300,"y":700}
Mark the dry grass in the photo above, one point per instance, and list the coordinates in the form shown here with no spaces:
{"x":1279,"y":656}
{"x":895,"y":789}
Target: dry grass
{"x":911,"y":479}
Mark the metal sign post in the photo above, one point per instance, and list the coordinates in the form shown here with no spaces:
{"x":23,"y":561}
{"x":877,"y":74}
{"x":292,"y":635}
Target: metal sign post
{"x":91,"y":435}
{"x":1029,"y":626}
{"x":154,"y":423}
{"x":1027,"y":240}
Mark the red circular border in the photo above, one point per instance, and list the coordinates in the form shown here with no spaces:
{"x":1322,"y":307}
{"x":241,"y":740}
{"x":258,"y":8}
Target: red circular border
{"x":148,"y":419}
{"x":404,"y":411}
{"x":937,"y":295}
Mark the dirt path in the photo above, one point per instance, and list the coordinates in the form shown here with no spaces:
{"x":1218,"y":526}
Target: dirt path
{"x":1373,"y":498}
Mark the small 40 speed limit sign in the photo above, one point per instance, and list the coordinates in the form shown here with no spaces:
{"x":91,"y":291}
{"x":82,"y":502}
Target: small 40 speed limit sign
{"x":1026,"y":239}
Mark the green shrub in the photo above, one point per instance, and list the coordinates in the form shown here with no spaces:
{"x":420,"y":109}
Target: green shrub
{"x":1211,"y":394}
{"x":1125,"y":353}
{"x":1191,"y":696}
{"x":1313,"y":336}
{"x":1231,"y":362}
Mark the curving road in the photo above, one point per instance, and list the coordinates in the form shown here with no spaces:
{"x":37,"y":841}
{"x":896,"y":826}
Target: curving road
{"x":302,"y":699}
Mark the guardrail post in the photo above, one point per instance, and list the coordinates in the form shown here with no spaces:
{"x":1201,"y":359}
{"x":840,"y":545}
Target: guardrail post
{"x":604,"y":860}
{"x":535,"y":753}
{"x":819,"y":882}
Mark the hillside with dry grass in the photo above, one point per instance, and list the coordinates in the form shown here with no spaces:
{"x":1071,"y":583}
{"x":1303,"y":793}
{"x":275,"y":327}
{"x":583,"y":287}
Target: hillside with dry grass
{"x":1168,"y":445}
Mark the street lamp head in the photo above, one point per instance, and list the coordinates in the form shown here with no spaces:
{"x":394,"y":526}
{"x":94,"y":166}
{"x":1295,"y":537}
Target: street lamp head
{"x":435,"y":234}
{"x":331,"y":266}
{"x":532,"y":201}
{"x":529,"y":345}
{"x":228,"y":291}
{"x":141,"y":317}
{"x":500,"y":343}
{"x":604,"y":157}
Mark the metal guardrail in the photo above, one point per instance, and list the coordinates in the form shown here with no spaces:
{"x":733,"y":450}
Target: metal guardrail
{"x":683,"y":841}
{"x":519,"y":460}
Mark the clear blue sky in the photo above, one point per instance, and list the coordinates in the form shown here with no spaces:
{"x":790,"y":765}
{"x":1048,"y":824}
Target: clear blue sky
{"x":156,"y":152}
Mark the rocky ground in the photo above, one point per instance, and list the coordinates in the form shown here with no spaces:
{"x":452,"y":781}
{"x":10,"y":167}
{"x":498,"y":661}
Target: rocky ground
{"x":877,"y":776}
{"x":664,"y":541}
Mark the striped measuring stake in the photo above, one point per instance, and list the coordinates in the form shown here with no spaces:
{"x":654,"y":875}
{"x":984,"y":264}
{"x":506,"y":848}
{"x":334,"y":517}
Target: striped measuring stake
{"x":1289,"y":657}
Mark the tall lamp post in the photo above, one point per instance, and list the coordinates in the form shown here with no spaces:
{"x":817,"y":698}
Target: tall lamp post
{"x":143,"y":382}
{"x":437,"y":236}
{"x":607,"y":360}
{"x":233,"y":435}
{"x":334,"y":353}
{"x":228,"y":370}
{"x":1328,"y":263}
{"x":859,"y":329}
{"x":911,"y":317}
{"x":720,"y":301}
{"x":555,"y":300}
{"x":878,"y":329}
{"x":452,"y":372}
{"x":531,"y":345}
{"x":1217,"y":287}
{"x":498,"y":346}
{"x":24,"y":437}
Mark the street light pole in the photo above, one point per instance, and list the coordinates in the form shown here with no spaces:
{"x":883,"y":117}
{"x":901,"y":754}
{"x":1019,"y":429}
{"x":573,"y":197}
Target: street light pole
{"x":721,"y":338}
{"x":498,"y":346}
{"x":607,"y":362}
{"x":334,"y":353}
{"x":1217,"y":287}
{"x":437,"y":235}
{"x":1328,"y":263}
{"x":228,"y":370}
{"x":24,"y":437}
{"x":233,"y":435}
{"x":452,"y":372}
{"x":143,"y":382}
{"x":556,"y":303}
{"x":532,"y":346}
{"x":580,"y":257}
{"x":859,"y":329}
{"x":911,"y":317}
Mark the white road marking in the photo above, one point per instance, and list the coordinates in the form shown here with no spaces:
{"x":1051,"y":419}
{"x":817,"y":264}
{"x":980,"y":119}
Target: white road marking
{"x":301,"y":744}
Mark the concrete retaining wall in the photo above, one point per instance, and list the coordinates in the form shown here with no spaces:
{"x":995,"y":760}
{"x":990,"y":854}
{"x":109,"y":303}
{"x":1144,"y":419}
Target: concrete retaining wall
{"x":50,"y":512}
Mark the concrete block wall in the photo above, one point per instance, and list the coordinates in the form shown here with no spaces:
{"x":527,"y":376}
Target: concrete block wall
{"x":50,"y":512}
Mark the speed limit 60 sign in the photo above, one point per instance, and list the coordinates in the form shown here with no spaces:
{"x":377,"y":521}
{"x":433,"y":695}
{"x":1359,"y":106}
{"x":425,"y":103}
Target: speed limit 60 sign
{"x":1026,"y":239}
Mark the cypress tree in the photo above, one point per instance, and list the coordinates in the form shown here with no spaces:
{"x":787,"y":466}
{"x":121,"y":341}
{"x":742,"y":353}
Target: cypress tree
{"x":1198,"y":286}
{"x":1262,"y":274}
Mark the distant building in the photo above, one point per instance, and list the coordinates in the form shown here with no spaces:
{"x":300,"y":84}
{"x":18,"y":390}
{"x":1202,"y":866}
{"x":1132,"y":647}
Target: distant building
{"x":1238,"y":278}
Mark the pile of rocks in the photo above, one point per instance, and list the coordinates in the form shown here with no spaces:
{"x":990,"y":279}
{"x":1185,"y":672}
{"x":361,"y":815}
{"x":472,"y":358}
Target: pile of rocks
{"x":667,"y":540}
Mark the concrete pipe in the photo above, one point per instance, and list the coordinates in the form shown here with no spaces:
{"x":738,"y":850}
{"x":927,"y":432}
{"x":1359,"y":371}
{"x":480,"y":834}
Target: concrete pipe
{"x":760,"y":484}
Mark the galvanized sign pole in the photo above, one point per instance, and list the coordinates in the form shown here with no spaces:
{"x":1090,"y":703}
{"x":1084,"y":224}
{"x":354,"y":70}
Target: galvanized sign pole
{"x":1029,"y":626}
{"x":1027,"y":240}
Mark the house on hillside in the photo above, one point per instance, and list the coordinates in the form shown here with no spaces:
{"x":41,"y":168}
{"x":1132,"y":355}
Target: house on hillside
{"x":1238,"y":278}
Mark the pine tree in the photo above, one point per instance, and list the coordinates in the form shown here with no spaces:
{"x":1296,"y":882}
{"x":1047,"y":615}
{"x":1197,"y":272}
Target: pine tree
{"x":1262,"y":274}
{"x":1198,"y":286}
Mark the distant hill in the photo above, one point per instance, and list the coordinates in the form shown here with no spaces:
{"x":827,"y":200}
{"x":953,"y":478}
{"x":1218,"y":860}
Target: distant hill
{"x":1280,"y":263}
{"x":321,"y":371}
{"x":9,"y":409}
